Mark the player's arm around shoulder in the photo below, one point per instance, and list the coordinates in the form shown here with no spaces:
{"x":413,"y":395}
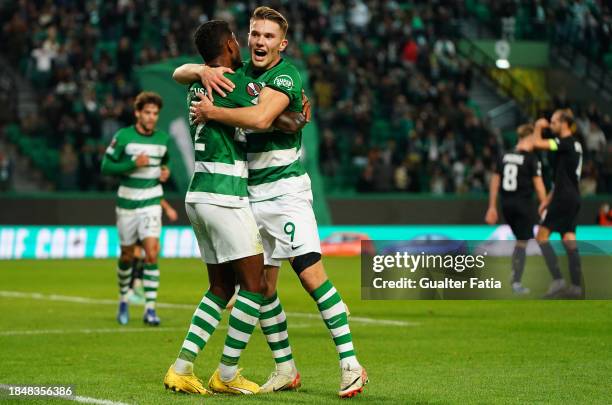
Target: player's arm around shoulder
{"x":213,"y":79}
{"x":258,"y":117}
{"x":541,"y":143}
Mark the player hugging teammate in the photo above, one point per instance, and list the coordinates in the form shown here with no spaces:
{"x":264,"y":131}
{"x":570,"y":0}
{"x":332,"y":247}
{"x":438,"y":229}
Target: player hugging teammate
{"x":280,"y":200}
{"x":560,"y":209}
{"x":518,"y":173}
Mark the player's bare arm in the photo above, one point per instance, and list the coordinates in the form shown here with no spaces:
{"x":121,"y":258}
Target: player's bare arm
{"x":539,"y":142}
{"x":168,"y":210}
{"x":164,"y":174}
{"x":491,"y":215}
{"x":290,"y":122}
{"x":261,"y":116}
{"x":212,"y":78}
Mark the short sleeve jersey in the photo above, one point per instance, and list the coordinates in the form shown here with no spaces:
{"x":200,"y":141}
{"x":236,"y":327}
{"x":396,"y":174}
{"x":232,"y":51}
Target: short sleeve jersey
{"x":275,"y":166}
{"x":517,"y":170}
{"x":220,"y":168}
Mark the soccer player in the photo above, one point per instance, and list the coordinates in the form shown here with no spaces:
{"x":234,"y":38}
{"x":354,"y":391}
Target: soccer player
{"x":139,"y":155}
{"x":281,"y":199}
{"x":561,"y":206}
{"x":218,"y":207}
{"x":518,"y":172}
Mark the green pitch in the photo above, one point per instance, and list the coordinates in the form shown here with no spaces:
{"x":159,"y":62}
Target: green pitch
{"x":440,"y":352}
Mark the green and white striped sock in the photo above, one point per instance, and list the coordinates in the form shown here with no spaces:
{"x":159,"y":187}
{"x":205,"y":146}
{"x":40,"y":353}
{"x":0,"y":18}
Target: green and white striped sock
{"x":273,"y":323}
{"x":150,"y":281}
{"x":242,"y":321}
{"x":204,"y":322}
{"x":124,"y":273}
{"x":334,"y":315}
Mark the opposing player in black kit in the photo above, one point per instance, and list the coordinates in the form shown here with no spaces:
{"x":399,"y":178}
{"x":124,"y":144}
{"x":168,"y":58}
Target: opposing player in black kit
{"x":560,"y":209}
{"x":518,"y":172}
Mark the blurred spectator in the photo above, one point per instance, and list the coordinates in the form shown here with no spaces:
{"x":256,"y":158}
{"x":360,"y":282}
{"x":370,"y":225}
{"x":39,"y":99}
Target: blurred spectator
{"x":68,"y":168}
{"x":595,"y":141}
{"x":88,"y":167}
{"x":329,"y":156}
{"x":6,"y":171}
{"x":604,"y":216}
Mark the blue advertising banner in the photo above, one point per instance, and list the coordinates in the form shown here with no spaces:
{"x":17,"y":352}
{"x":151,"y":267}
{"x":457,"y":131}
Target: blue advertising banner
{"x":61,"y":242}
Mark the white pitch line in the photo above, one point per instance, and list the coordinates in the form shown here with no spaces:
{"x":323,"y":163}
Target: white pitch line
{"x":85,"y":331}
{"x":76,"y":398}
{"x":98,"y":301}
{"x":115,"y":330}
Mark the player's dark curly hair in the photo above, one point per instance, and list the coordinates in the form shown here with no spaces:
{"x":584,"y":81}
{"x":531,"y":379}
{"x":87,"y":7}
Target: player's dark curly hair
{"x":147,"y":97}
{"x":209,"y":38}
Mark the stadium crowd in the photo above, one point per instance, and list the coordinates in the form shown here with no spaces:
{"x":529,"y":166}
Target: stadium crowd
{"x":390,"y":90}
{"x":586,"y":24}
{"x":80,"y":58}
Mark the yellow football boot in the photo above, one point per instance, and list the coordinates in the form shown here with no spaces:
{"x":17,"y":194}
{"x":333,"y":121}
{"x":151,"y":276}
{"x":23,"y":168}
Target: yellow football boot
{"x":188,"y":383}
{"x":239,"y":385}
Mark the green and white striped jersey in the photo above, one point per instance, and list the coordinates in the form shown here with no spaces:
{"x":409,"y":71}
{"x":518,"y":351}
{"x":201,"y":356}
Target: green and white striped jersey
{"x":220,"y":168}
{"x":275,"y":167}
{"x":139,"y":187}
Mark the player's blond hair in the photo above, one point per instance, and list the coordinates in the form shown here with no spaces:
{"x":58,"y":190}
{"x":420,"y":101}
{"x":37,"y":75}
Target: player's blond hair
{"x":567,"y":115}
{"x":524,"y":131}
{"x":267,"y":13}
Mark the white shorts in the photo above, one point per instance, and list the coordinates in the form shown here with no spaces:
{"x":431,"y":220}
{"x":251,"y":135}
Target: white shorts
{"x":288,"y":226}
{"x":138,"y":224}
{"x":224,"y":233}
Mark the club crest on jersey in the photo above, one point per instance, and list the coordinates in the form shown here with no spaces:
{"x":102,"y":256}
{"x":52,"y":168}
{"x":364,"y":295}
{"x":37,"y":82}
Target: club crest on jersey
{"x":284,"y":81}
{"x":253,"y":89}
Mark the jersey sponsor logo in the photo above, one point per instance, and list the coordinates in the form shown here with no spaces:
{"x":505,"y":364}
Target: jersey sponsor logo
{"x":283,"y":81}
{"x":253,"y":89}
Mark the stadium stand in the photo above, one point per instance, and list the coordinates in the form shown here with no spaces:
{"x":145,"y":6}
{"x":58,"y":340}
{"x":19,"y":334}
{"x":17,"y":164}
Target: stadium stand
{"x":391,"y":91}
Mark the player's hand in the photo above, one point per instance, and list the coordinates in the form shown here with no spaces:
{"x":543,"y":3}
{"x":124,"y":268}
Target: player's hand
{"x":199,"y":110}
{"x":542,"y":208}
{"x":165,"y":174}
{"x":142,"y":160}
{"x":306,"y":106}
{"x":542,"y":123}
{"x":491,"y":216}
{"x":213,"y":80}
{"x":171,"y":214}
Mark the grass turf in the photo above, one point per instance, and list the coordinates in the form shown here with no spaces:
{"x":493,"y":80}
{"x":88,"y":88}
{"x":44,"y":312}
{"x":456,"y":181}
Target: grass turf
{"x":452,"y":352}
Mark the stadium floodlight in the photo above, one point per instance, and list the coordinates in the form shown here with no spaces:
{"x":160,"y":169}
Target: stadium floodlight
{"x":502,"y":64}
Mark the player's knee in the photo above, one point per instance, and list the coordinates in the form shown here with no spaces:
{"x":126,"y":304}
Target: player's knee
{"x":151,"y":258}
{"x":269,"y":288}
{"x":151,"y":254}
{"x":222,"y":291}
{"x":127,"y":254}
{"x":254,"y":286}
{"x":301,"y":263}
